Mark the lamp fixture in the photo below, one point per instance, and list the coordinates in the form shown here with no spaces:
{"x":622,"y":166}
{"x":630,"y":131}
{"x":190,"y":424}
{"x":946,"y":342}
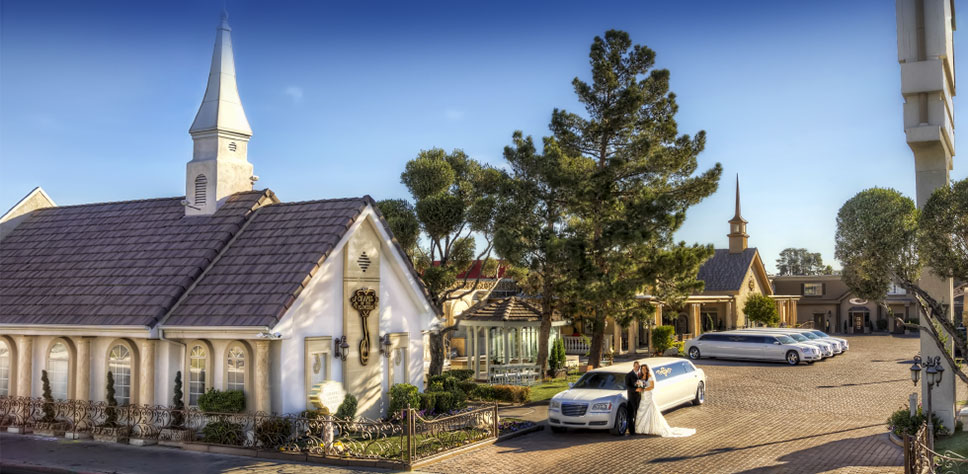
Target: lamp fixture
{"x":342,"y":347}
{"x":385,"y":345}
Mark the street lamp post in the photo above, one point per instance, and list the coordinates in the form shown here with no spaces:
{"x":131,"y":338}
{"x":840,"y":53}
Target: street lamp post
{"x":933,"y":373}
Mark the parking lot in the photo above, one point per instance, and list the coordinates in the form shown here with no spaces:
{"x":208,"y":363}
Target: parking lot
{"x":759,"y":417}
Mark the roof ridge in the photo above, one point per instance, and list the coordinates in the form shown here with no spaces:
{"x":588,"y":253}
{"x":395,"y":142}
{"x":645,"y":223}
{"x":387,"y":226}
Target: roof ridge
{"x":130,"y":201}
{"x":317,"y":201}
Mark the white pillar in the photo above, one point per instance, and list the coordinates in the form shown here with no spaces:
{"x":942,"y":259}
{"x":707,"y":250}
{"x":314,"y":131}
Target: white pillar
{"x":262,"y":398}
{"x":25,"y":355}
{"x":82,"y":380}
{"x":520,"y":345}
{"x":507,"y":346}
{"x":487,"y":352}
{"x":146,"y":373}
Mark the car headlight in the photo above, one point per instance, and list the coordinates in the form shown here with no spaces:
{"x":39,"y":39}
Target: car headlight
{"x":602,"y":407}
{"x":555,"y":404}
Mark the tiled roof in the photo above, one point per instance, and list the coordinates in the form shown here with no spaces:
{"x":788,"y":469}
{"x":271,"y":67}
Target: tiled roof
{"x":261,"y":273}
{"x":725,"y":271}
{"x":503,"y":309}
{"x":118,"y":263}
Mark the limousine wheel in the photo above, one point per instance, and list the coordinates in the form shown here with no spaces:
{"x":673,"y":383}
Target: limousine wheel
{"x":700,"y":394}
{"x":694,"y":353}
{"x":621,"y":421}
{"x":793,"y":358}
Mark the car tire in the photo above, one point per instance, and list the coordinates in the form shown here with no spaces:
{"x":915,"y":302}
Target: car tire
{"x":793,"y":358}
{"x":700,"y":394}
{"x":621,"y":421}
{"x":558,"y":429}
{"x":694,"y":353}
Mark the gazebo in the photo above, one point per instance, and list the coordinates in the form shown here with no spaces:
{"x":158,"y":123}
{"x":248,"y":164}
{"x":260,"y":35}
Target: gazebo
{"x":504,"y":331}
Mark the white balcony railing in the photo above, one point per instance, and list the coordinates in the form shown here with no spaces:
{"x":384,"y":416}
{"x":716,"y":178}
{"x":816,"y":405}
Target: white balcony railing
{"x":578,"y":345}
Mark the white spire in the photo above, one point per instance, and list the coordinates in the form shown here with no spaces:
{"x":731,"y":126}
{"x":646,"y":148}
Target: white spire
{"x":221,"y":108}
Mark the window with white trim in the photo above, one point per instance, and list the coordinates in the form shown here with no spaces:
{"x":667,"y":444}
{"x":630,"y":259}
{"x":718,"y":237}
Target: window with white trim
{"x":4,"y":369}
{"x":197,"y":373}
{"x":119,"y":364}
{"x":235,"y":368}
{"x":58,"y":370}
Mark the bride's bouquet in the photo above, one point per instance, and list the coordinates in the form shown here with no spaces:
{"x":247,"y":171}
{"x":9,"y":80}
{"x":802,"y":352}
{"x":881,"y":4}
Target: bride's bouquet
{"x":639,"y":383}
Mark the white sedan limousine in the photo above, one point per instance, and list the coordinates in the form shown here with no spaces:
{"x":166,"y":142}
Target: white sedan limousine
{"x":745,"y":345}
{"x":599,"y":399}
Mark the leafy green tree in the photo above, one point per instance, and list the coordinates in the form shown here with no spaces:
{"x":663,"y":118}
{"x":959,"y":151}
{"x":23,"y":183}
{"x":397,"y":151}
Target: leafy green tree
{"x":639,"y":180}
{"x":882,"y":239}
{"x":801,"y":262}
{"x":454,"y":198}
{"x":761,"y":309}
{"x":402,"y":220}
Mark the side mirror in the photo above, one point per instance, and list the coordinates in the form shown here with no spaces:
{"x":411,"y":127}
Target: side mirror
{"x":571,"y":384}
{"x":777,"y":342}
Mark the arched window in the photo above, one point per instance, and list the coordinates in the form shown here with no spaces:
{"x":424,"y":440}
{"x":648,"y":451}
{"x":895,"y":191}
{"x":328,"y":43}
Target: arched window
{"x":119,"y":364}
{"x":236,"y":367}
{"x":201,"y":187}
{"x":197,"y":372}
{"x":58,"y":370}
{"x":4,"y":368}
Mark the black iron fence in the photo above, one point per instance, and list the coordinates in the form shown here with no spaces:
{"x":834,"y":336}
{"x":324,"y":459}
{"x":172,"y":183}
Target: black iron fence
{"x":406,"y":440}
{"x":921,"y":458}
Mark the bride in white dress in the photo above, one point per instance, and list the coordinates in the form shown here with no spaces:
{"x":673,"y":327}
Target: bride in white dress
{"x":648,"y":419}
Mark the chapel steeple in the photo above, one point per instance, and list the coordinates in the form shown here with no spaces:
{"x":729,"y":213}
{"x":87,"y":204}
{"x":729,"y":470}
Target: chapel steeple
{"x":221,"y":133}
{"x":738,"y":238}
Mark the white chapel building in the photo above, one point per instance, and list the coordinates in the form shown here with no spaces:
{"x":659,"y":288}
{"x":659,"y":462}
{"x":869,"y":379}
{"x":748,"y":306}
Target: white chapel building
{"x":229,"y":285}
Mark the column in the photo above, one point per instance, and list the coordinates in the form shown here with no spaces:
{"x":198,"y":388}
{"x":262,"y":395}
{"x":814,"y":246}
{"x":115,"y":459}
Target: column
{"x":472,"y":350}
{"x":696,"y":323}
{"x":82,"y":380}
{"x":521,"y":345}
{"x":25,"y":357}
{"x":728,"y":321}
{"x":487,"y":353}
{"x":262,"y":402}
{"x":146,"y":373}
{"x":507,"y":345}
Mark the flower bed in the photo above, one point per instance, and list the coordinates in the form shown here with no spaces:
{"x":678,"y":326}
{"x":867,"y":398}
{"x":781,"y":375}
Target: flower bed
{"x":510,"y":425}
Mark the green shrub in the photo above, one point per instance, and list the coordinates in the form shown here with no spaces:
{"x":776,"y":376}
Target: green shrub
{"x":428,"y":402}
{"x":482,"y":392}
{"x":662,"y":338}
{"x":460,"y":374}
{"x":177,"y":415}
{"x":449,"y":401}
{"x":314,"y":414}
{"x":502,"y":393}
{"x":557,"y":357}
{"x":467,"y":386}
{"x":223,"y":432}
{"x":901,"y":422}
{"x":442,"y":382}
{"x":110,"y":413}
{"x":48,"y":407}
{"x":436,"y":386}
{"x":273,"y":432}
{"x":881,"y":324}
{"x":403,"y":395}
{"x":761,"y":309}
{"x":679,"y":345}
{"x":217,"y":401}
{"x":347,"y":409}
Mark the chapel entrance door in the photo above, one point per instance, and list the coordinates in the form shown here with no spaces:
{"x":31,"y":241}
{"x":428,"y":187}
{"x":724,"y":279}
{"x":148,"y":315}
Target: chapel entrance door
{"x":858,"y":322}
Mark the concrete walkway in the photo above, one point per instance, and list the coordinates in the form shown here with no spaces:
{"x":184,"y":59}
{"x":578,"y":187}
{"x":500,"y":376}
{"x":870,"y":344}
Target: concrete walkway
{"x":30,"y":454}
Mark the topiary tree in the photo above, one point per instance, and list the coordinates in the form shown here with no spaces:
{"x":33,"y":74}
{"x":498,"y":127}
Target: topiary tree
{"x":761,"y":309}
{"x":662,"y":338}
{"x":347,"y":409}
{"x":48,"y":398}
{"x":557,"y":358}
{"x":177,"y":415}
{"x":111,"y":414}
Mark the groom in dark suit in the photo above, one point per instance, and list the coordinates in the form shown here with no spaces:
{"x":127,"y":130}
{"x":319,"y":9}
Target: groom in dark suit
{"x":634,"y":396}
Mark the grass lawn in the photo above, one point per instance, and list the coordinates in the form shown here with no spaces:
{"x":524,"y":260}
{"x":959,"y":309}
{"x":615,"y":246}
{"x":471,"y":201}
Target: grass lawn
{"x":957,"y":442}
{"x":546,"y":390}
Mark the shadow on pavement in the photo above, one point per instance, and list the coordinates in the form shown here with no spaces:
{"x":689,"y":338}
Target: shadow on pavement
{"x":844,"y":453}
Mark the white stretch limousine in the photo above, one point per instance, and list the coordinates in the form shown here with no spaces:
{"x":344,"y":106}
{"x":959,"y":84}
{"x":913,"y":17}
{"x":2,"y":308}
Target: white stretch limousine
{"x":599,"y":399}
{"x":744,"y":345}
{"x":826,"y":348}
{"x":808,"y":336}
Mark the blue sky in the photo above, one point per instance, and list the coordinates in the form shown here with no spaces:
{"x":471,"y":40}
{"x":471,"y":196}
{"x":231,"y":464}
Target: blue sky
{"x":800,"y":98}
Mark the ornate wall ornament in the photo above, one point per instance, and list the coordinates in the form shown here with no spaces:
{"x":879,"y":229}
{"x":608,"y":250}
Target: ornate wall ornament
{"x":364,"y":300}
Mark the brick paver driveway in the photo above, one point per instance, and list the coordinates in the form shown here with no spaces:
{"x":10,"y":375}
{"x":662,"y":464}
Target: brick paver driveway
{"x":825,"y":417}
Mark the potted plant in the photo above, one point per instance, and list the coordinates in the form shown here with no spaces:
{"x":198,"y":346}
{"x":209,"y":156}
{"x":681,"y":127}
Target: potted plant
{"x":111,"y":430}
{"x":175,"y":433}
{"x":48,"y":424}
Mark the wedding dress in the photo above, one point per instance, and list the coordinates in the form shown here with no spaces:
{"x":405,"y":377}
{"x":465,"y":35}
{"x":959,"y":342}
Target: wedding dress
{"x":649,"y":420}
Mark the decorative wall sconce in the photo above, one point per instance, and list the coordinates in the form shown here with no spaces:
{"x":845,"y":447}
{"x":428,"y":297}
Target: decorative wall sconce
{"x":342,"y":347}
{"x":385,"y":345}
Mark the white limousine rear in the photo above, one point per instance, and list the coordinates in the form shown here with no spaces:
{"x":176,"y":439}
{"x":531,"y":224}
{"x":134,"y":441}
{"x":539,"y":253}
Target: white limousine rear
{"x":598,"y":400}
{"x":743,"y":345}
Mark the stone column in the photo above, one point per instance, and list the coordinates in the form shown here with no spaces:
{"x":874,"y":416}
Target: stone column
{"x":146,"y":373}
{"x":696,"y":322}
{"x":521,"y":344}
{"x":262,"y":398}
{"x":487,"y":353}
{"x":25,"y":357}
{"x":82,"y":379}
{"x":507,"y":346}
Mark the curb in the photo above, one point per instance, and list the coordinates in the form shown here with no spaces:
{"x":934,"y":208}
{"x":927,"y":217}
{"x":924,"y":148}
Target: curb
{"x":515,"y":434}
{"x":895,"y":439}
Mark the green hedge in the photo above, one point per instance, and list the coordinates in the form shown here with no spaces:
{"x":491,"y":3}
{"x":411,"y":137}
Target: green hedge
{"x":662,"y":338}
{"x":402,"y":395}
{"x":217,"y":401}
{"x":223,"y":432}
{"x":347,"y":409}
{"x":273,"y":432}
{"x":460,"y":374}
{"x":502,"y":393}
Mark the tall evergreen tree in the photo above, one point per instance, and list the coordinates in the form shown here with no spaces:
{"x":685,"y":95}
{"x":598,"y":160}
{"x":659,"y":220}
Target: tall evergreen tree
{"x":639,"y":179}
{"x":177,"y":415}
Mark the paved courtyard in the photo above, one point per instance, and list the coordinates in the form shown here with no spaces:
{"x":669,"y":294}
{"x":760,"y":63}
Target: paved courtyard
{"x":825,"y":417}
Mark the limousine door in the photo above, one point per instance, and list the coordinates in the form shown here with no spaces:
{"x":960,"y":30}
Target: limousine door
{"x":745,"y":347}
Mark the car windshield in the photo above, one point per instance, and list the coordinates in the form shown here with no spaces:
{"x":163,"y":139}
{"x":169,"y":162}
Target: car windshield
{"x":785,"y":340}
{"x":819,"y":333}
{"x":601,"y":381}
{"x":798,"y":337}
{"x":811,"y":335}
